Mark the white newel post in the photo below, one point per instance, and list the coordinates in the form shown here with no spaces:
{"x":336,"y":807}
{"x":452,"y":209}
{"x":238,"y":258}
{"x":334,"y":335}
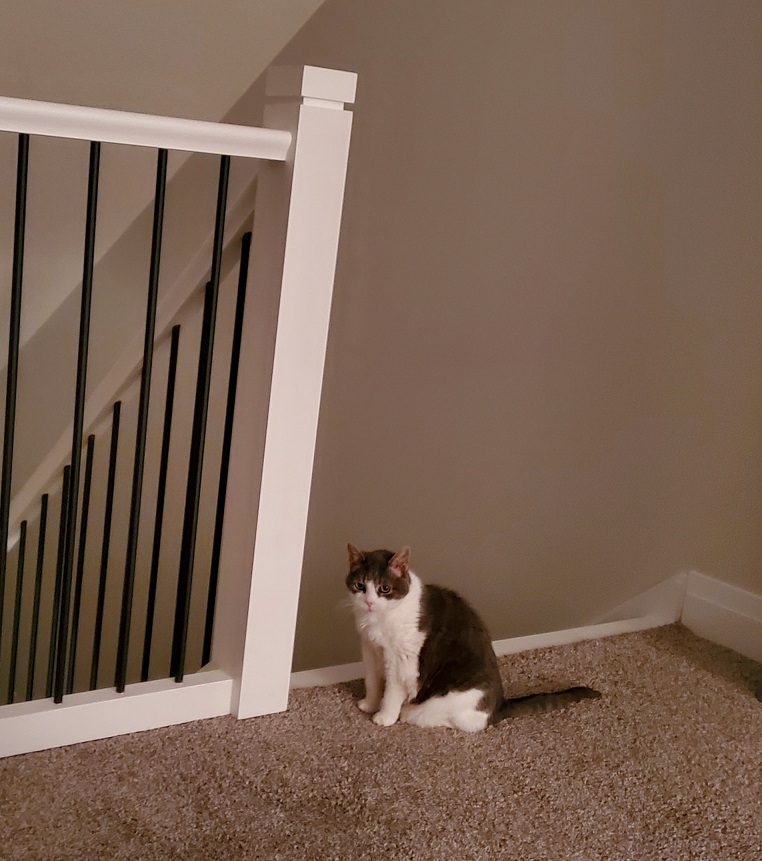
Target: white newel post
{"x":291,"y":273}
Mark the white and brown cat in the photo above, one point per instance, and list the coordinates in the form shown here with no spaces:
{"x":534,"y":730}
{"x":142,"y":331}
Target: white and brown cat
{"x":428,"y":656}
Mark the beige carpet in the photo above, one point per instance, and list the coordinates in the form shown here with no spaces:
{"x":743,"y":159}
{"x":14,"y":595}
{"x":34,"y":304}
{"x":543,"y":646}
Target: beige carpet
{"x":667,"y":765}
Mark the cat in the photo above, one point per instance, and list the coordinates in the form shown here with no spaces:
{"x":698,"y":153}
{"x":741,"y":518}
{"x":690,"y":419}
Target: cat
{"x":428,"y":656}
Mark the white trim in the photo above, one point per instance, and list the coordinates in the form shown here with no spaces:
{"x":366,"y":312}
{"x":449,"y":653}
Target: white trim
{"x":327,"y":676}
{"x":41,"y":724}
{"x":348,"y":672}
{"x":724,"y":614}
{"x":125,"y":127}
{"x":574,"y":635}
{"x":293,"y":259}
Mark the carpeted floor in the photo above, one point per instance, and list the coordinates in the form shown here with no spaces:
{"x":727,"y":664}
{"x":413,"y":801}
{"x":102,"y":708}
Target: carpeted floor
{"x":667,"y":765}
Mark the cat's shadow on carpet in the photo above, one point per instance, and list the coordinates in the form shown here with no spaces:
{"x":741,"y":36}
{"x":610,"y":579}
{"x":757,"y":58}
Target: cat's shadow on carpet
{"x":355,"y":688}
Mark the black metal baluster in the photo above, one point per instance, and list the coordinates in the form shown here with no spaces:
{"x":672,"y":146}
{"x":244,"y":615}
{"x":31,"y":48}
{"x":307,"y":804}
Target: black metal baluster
{"x":160,"y":497}
{"x":80,"y":562}
{"x":79,"y":410}
{"x":56,"y":611}
{"x":37,"y":595}
{"x":235,"y":353}
{"x":193,"y":490}
{"x":105,"y":546}
{"x":120,"y":676}
{"x":17,"y":613}
{"x":13,"y":357}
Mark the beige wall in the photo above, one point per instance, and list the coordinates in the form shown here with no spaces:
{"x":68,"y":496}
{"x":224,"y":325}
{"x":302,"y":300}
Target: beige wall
{"x":544,"y":363}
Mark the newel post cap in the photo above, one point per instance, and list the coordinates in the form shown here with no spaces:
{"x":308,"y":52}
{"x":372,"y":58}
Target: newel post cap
{"x":311,"y":82}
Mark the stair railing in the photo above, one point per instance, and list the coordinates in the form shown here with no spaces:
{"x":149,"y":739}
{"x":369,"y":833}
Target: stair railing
{"x":270,"y":426}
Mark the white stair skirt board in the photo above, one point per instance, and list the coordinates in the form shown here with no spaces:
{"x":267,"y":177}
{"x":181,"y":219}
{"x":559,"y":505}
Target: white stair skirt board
{"x":348,"y":672}
{"x":664,"y":601}
{"x":724,"y":614}
{"x":41,"y":724}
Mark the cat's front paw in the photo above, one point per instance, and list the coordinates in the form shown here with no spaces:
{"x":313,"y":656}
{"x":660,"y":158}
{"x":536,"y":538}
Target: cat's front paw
{"x":368,"y":706}
{"x":383,"y":718}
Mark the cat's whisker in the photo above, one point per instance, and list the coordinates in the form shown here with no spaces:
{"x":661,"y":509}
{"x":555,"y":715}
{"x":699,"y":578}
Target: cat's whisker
{"x":346,"y":604}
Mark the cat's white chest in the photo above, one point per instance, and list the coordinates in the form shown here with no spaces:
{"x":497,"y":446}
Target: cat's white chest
{"x":396,"y":631}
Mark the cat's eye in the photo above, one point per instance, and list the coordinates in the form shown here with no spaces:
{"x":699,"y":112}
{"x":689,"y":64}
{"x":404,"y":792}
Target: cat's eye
{"x":359,"y":587}
{"x":385,"y":589}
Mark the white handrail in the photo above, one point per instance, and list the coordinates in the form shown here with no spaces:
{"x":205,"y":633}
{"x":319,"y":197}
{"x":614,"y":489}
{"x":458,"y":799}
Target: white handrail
{"x":26,"y":116}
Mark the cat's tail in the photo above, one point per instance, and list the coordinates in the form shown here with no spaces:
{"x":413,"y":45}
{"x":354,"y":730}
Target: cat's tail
{"x":539,"y":703}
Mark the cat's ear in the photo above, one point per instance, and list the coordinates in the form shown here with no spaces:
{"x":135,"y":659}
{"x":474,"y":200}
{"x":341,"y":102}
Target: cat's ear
{"x":398,"y":563}
{"x":355,"y":556}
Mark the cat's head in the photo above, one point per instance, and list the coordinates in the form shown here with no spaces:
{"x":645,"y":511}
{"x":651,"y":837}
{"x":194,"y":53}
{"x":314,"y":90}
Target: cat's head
{"x":377,"y":579}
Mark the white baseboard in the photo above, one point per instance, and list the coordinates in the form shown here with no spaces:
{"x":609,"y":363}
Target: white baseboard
{"x":327,"y":676}
{"x":348,"y":672}
{"x":724,"y":614}
{"x":710,"y":608}
{"x":574,"y":635}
